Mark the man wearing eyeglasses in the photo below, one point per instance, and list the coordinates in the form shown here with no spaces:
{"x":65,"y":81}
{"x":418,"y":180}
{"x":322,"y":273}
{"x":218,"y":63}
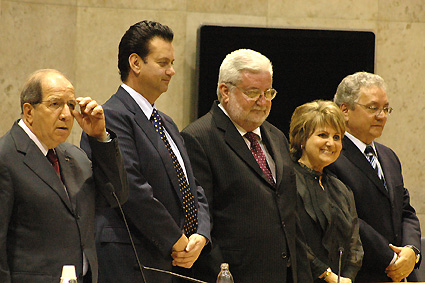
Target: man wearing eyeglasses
{"x":49,"y":188}
{"x":242,"y":162}
{"x":389,"y":228}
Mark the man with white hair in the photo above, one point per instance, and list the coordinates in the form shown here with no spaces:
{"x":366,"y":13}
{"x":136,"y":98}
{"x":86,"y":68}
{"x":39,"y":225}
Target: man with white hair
{"x":243,"y":164}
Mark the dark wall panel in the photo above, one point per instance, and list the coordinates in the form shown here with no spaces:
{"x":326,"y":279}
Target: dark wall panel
{"x":307,"y":64}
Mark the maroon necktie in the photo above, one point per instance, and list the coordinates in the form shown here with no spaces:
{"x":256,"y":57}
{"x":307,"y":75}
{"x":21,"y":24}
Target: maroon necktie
{"x":259,"y":156}
{"x":51,"y":155}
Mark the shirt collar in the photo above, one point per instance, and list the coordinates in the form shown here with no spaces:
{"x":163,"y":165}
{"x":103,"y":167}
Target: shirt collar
{"x":241,"y":130}
{"x":33,"y":137}
{"x":143,"y":103}
{"x":360,"y":145}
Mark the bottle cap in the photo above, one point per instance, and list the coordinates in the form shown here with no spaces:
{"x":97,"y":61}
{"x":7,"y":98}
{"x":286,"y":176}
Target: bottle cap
{"x":68,"y":272}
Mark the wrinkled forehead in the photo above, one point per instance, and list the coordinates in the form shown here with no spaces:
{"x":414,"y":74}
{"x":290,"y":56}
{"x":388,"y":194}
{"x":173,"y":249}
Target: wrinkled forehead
{"x":56,"y":86}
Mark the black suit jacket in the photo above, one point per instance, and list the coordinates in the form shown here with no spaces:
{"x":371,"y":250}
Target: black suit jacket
{"x":41,"y":229}
{"x":254,"y":224}
{"x":154,"y":208}
{"x":385,"y":216}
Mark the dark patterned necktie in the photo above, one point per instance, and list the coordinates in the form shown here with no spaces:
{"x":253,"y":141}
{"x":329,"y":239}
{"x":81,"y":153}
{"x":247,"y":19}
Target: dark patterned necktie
{"x":190,"y":210}
{"x":370,"y":153}
{"x":259,"y":156}
{"x":51,"y":155}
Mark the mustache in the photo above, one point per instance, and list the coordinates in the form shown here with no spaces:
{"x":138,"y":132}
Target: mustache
{"x":259,"y":108}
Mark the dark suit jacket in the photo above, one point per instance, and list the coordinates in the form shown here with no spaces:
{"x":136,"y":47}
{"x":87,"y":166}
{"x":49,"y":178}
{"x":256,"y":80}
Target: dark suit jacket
{"x":254,"y":224}
{"x":385,"y":216}
{"x":154,"y":208}
{"x":41,"y":229}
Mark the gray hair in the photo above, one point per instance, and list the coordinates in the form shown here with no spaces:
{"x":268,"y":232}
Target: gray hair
{"x":241,"y":60}
{"x":348,"y":90}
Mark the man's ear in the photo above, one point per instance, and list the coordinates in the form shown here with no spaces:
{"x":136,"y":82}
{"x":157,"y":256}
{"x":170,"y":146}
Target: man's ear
{"x":345,"y":109}
{"x":28,"y":113}
{"x":224,"y":91}
{"x":135,"y":63}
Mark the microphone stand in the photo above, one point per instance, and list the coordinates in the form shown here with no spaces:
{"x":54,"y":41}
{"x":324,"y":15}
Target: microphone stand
{"x":341,"y":251}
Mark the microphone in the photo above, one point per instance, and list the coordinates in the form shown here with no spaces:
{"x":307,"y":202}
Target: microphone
{"x":141,"y":266}
{"x":341,"y":251}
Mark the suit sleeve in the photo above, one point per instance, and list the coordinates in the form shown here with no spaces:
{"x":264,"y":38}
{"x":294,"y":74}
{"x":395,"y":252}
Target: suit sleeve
{"x":6,"y":206}
{"x":108,"y":170}
{"x":410,"y":225}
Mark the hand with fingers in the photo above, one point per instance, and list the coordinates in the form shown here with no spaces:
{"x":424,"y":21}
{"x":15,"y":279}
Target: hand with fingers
{"x":91,"y":118}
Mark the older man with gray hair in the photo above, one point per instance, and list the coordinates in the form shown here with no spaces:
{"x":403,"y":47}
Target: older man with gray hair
{"x":243,"y":164}
{"x":389,"y":228}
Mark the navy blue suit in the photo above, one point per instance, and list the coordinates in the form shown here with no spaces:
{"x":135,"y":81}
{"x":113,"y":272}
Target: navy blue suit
{"x":154,"y":208}
{"x":385,"y":216}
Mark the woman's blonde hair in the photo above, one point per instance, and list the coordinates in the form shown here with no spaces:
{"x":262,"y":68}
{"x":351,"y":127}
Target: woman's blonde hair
{"x":307,"y":117}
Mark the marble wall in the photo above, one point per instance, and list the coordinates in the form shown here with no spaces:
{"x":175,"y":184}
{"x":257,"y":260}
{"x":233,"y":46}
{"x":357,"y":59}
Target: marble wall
{"x":80,"y":38}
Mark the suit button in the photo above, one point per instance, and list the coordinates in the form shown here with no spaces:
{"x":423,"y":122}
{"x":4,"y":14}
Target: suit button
{"x":278,"y":195}
{"x":283,"y":223}
{"x":284,"y":255}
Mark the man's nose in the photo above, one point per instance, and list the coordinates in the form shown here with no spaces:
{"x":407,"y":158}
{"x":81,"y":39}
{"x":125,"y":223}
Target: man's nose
{"x":65,"y":112}
{"x":381,"y":114}
{"x":262,"y":99}
{"x":170,"y":71}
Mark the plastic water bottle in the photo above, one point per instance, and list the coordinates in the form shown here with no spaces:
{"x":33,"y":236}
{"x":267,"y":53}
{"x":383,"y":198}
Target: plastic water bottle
{"x":68,"y":274}
{"x":225,"y":276}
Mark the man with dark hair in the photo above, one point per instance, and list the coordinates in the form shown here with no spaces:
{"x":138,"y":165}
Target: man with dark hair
{"x":49,"y":188}
{"x":389,"y":228}
{"x":167,"y":212}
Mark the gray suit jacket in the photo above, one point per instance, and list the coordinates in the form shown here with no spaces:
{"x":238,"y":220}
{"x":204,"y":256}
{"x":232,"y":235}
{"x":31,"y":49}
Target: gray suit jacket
{"x":41,"y":228}
{"x":254,"y":224}
{"x":385,"y":216}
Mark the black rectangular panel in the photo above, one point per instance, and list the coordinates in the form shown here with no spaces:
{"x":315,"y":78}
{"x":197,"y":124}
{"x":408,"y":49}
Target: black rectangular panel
{"x":307,"y":64}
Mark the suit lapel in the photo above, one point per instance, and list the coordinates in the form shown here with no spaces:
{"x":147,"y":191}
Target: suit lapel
{"x":147,"y":127}
{"x":352,"y":153}
{"x":270,"y":139}
{"x":235,"y":141}
{"x":68,"y":167}
{"x":384,"y":161}
{"x":38,"y":163}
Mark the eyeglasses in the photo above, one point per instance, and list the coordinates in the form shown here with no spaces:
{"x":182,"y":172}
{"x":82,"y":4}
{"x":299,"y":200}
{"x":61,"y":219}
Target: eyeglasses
{"x":255,"y":93}
{"x":375,"y":110}
{"x":56,"y":104}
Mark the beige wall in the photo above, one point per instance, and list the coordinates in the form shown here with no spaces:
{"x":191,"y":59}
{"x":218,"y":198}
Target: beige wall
{"x":80,"y":38}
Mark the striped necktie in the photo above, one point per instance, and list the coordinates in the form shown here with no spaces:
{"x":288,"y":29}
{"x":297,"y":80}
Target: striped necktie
{"x":371,"y":156}
{"x":190,"y":210}
{"x":259,"y":156}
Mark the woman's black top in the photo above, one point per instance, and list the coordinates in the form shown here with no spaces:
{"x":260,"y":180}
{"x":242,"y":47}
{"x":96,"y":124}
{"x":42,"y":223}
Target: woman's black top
{"x":329,"y":221}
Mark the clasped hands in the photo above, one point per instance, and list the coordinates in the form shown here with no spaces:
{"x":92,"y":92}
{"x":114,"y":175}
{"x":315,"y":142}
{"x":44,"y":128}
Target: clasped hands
{"x":187,"y":250}
{"x":403,"y":265}
{"x":333,"y":278}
